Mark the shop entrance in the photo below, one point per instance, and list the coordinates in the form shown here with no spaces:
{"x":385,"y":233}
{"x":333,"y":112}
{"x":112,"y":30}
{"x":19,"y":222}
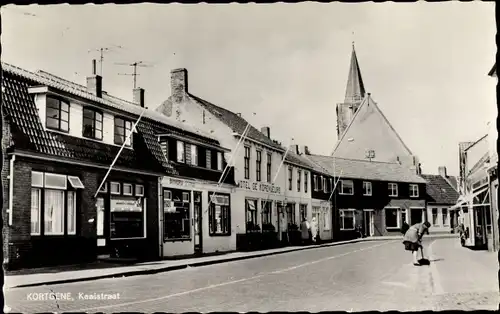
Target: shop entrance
{"x":198,"y":223}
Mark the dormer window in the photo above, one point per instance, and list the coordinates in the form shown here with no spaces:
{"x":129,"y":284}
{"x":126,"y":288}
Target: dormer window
{"x":57,"y":114}
{"x":123,"y":128}
{"x":92,"y":123}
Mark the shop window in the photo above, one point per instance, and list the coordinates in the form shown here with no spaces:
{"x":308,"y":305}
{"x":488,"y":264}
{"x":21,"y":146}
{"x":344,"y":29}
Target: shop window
{"x":177,"y":219}
{"x":36,"y":203}
{"x":251,"y":213}
{"x":346,"y":187}
{"x":434,"y":216}
{"x":347,"y":220}
{"x":305,"y":181}
{"x":181,"y":154}
{"x":266,"y":212}
{"x":413,"y":190}
{"x":54,"y":212}
{"x":57,"y":114}
{"x":194,"y":155}
{"x":393,"y":189}
{"x":367,"y":188}
{"x":127,"y":189}
{"x":258,"y":165}
{"x":127,"y":218}
{"x":92,"y":123}
{"x":391,"y":218}
{"x":123,"y":130}
{"x":115,"y":188}
{"x":446,"y":218}
{"x":139,"y":190}
{"x":219,"y":215}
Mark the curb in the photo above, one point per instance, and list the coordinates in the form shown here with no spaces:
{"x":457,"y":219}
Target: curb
{"x":206,"y":263}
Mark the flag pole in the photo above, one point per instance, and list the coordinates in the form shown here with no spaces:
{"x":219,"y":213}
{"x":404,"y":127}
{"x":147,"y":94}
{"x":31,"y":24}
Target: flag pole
{"x":119,"y":152}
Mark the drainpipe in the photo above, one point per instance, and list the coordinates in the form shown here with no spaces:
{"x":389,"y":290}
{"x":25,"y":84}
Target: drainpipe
{"x":11,"y":188}
{"x":160,"y":217}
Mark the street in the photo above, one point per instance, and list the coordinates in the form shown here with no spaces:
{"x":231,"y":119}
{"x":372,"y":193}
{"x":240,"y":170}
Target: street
{"x":361,"y":276}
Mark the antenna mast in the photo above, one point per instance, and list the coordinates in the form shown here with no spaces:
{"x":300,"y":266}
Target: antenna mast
{"x":101,"y":51}
{"x":134,"y":65}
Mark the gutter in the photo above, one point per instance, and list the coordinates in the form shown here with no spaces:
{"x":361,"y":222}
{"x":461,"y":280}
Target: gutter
{"x":11,"y":188}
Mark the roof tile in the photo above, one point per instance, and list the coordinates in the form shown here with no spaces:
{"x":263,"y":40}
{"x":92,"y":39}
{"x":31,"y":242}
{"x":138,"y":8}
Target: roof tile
{"x":439,"y":190}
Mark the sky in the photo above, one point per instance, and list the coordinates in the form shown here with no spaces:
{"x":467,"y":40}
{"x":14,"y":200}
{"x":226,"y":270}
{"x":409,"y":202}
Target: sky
{"x":425,"y":64}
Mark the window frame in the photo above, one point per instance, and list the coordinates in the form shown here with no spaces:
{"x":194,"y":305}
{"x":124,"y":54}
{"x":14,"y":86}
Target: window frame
{"x":305,"y":181}
{"x":398,"y":218}
{"x":39,"y":220}
{"x":246,"y":159}
{"x":266,"y":212}
{"x":269,"y":167}
{"x":391,"y":190}
{"x":116,"y":184}
{"x":63,"y":214}
{"x":315,"y":182}
{"x":68,"y":193}
{"x":299,"y":177}
{"x":290,"y":178}
{"x":342,"y":219}
{"x":125,"y":129}
{"x":220,"y":159}
{"x":258,"y":166}
{"x":435,"y":219}
{"x":325,"y":185}
{"x":194,"y":153}
{"x":225,"y":212}
{"x":342,"y":192}
{"x":144,"y":223}
{"x":59,"y":113}
{"x":131,"y":189}
{"x":367,"y":184}
{"x":445,"y":217}
{"x":412,"y":190}
{"x":143,"y":190}
{"x":180,"y":153}
{"x":94,"y":121}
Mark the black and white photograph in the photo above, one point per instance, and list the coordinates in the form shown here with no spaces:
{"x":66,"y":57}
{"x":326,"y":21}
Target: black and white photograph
{"x":294,"y":157}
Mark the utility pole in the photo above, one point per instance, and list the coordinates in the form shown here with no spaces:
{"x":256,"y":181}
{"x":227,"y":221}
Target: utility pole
{"x":134,"y":74}
{"x":103,"y":50}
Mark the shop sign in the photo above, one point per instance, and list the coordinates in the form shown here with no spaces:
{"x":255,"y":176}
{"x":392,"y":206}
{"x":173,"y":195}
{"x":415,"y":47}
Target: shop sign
{"x":126,"y":205}
{"x":259,"y":187}
{"x":220,"y":200}
{"x":180,"y":182}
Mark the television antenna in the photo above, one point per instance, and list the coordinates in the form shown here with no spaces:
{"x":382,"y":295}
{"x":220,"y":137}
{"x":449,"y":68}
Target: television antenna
{"x":370,"y":154}
{"x":134,"y":65}
{"x":102,"y":51}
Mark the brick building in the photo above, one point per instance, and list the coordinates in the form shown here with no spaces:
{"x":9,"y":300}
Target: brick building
{"x":59,"y":140}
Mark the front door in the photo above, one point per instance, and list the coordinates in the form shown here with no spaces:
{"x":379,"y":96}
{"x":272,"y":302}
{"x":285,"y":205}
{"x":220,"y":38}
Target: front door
{"x":198,"y":230}
{"x":101,"y":221}
{"x":368,"y":223}
{"x":416,"y":215}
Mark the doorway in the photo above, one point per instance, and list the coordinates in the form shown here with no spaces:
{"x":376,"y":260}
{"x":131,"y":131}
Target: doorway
{"x":101,"y":221}
{"x":369,"y":223}
{"x":198,"y":223}
{"x":416,"y":215}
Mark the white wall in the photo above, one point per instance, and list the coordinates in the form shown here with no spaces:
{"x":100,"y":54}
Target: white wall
{"x":439,"y":226}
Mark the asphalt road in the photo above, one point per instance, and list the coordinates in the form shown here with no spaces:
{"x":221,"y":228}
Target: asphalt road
{"x":358,"y":277}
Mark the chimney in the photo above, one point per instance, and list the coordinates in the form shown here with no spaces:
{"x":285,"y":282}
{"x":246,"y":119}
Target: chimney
{"x":294,"y":149}
{"x":266,"y":131}
{"x":178,"y":84}
{"x":442,"y":171}
{"x":304,"y":150}
{"x":94,"y":82}
{"x":139,"y":96}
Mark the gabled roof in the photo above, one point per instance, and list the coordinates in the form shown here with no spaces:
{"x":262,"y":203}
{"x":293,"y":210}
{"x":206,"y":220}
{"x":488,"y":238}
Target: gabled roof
{"x":453,"y":181}
{"x":367,"y":170}
{"x":369,"y":129}
{"x":299,"y":160}
{"x":355,"y":91}
{"x":439,"y":190}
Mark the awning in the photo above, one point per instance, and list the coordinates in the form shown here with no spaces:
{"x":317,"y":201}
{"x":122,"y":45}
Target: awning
{"x":75,"y":182}
{"x":463,"y":200}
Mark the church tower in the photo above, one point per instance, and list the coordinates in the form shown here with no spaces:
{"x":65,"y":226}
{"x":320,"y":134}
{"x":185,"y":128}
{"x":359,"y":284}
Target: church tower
{"x":354,"y":94}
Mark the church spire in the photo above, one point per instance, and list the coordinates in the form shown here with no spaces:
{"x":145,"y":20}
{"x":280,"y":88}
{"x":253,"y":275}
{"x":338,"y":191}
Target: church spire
{"x":355,"y":91}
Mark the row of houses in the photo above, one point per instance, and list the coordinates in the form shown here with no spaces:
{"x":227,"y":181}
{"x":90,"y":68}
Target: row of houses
{"x":87,"y":175}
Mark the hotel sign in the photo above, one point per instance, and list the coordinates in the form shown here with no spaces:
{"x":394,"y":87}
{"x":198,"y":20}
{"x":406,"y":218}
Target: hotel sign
{"x":259,"y":187}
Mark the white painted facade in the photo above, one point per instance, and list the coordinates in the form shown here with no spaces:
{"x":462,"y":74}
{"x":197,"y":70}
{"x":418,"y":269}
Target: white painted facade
{"x":440,"y":218}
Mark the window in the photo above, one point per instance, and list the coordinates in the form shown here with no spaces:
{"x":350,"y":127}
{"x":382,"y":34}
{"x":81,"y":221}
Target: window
{"x":177,"y":225}
{"x":290,"y":214}
{"x":391,"y":218}
{"x":331,"y":185}
{"x":305,"y":181}
{"x":56,"y":181}
{"x":434,"y":216}
{"x":346,"y":187}
{"x":104,"y":188}
{"x":194,"y":155}
{"x":71,"y":213}
{"x":393,"y":189}
{"x":181,"y":154}
{"x":413,"y":190}
{"x":320,"y":183}
{"x":446,"y":218}
{"x":268,"y":167}
{"x":123,"y":130}
{"x":404,"y":216}
{"x":127,"y":189}
{"x":315,"y":182}
{"x":36,"y":203}
{"x":100,"y":216}
{"x":266,"y":212}
{"x":303,"y":211}
{"x":54,"y":212}
{"x":219,"y":216}
{"x":57,"y":114}
{"x":251,"y":212}
{"x":92,"y":124}
{"x":220,"y":160}
{"x":247,"y":162}
{"x":299,"y":175}
{"x":325,"y":186}
{"x":367,"y":188}
{"x":139,"y":190}
{"x":258,"y":163}
{"x":347,"y":220}
{"x":115,"y":188}
{"x":290,"y":178}
{"x":127,"y":218}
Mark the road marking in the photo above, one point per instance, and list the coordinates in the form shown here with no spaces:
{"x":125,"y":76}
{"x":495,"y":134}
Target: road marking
{"x":436,"y":279}
{"x":220,"y":284}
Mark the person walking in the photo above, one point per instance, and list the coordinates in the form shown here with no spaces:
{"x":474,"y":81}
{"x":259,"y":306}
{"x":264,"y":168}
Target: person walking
{"x":305,"y":229}
{"x":412,"y":240}
{"x":314,"y":229}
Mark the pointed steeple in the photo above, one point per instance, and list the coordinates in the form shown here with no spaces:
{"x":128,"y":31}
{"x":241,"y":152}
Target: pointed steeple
{"x":355,"y":91}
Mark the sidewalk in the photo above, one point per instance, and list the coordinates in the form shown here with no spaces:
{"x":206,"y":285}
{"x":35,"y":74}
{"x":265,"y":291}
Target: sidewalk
{"x":59,"y":277}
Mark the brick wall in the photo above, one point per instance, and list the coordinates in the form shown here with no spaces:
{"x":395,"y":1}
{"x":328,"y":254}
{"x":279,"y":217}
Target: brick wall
{"x":5,"y":188}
